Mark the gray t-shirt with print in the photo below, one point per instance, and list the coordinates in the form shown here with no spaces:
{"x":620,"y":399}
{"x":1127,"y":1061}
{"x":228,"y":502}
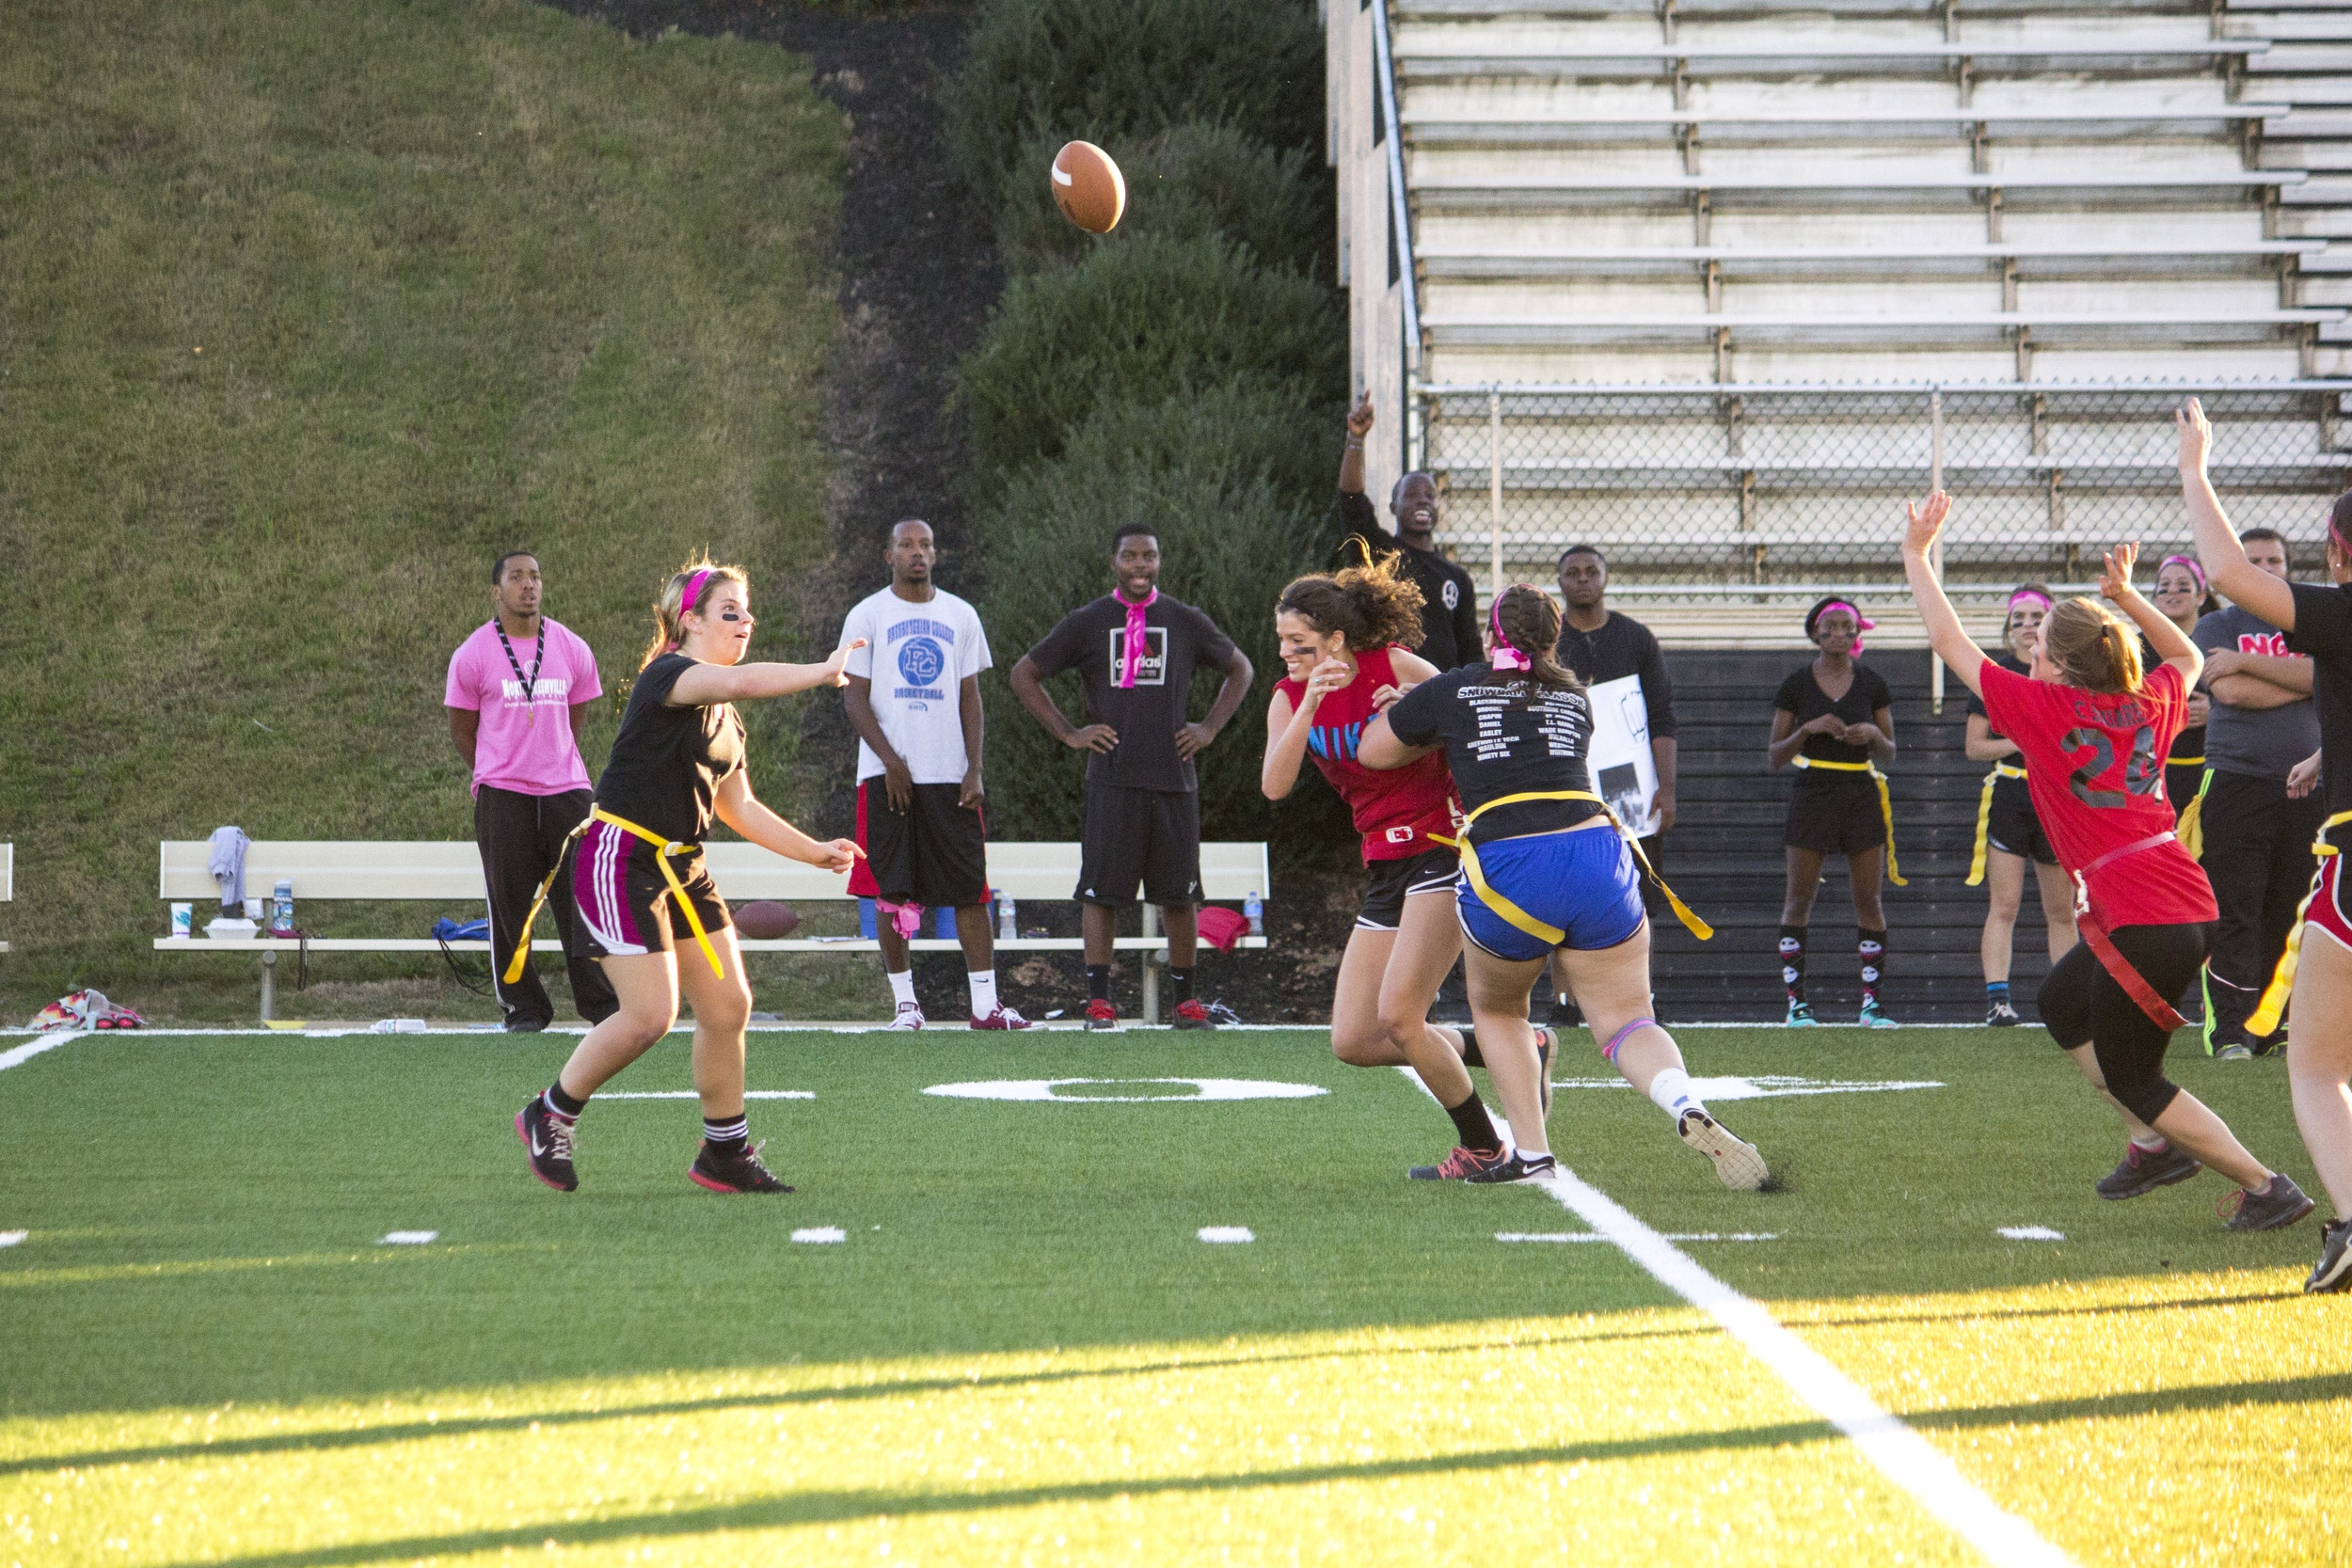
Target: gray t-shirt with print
{"x":2262,"y":743}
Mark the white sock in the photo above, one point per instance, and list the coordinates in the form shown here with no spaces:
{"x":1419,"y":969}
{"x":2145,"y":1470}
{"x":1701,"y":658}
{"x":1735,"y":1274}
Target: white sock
{"x":2156,"y":1148}
{"x":1671,"y":1092}
{"x":902,"y":987}
{"x":983,"y":984}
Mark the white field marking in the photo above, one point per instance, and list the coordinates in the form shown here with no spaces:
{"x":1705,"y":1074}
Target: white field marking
{"x":2032,"y":1233}
{"x":1591,"y":1236}
{"x":1226,"y":1235}
{"x":1766,"y":1087}
{"x":819,"y":1233}
{"x":408,"y":1238}
{"x":689,"y":1094}
{"x":1900,"y":1454}
{"x":19,"y":1055}
{"x":1208,"y":1088}
{"x":13,"y":1238}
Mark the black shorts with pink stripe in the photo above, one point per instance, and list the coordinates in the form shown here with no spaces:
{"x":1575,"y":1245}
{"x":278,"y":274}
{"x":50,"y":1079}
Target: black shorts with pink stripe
{"x":625,"y":902}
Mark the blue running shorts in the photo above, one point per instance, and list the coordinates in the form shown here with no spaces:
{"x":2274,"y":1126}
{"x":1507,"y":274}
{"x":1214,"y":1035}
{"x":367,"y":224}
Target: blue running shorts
{"x":1583,"y":881}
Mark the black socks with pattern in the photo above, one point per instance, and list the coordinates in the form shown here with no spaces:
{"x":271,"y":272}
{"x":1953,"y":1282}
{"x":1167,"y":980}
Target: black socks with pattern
{"x":1793,"y":963}
{"x":1873,"y":947}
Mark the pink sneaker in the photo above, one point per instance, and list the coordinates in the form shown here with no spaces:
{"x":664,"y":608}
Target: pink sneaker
{"x":909,"y":1016}
{"x":1003,"y":1018}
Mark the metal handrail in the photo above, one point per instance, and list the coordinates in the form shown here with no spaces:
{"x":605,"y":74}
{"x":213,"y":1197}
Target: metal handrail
{"x":1400,"y":215}
{"x":1737,"y":388}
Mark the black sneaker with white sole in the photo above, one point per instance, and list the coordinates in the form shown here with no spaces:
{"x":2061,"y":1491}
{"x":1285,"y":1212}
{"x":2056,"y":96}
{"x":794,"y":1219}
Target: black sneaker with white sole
{"x":2144,"y":1171}
{"x":2001,"y":1015}
{"x":1519,"y":1168}
{"x":2333,"y":1272}
{"x":1738,"y":1165}
{"x":2277,"y":1206}
{"x":733,"y":1171}
{"x":547,"y":1144}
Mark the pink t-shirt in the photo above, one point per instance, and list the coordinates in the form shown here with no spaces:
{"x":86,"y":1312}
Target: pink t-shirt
{"x":524,"y":745}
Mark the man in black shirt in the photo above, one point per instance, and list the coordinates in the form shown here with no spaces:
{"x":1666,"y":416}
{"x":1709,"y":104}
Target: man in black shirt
{"x":1601,"y":645}
{"x":1449,"y":599}
{"x":1136,"y":650}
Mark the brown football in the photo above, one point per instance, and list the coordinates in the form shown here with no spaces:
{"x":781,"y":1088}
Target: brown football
{"x":1088,"y":188}
{"x":764,"y":920}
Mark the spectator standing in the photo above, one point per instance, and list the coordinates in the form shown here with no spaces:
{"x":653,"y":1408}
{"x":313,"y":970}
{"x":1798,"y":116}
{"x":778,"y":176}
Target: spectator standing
{"x":530,"y":784}
{"x":1601,"y":645}
{"x":1137,"y":649}
{"x":2257,"y":834}
{"x":919,"y":771}
{"x":1449,"y":634}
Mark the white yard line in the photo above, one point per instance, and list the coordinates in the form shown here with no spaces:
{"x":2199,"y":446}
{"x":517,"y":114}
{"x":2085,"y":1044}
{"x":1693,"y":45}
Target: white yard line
{"x":19,"y":1055}
{"x":1897,"y":1452}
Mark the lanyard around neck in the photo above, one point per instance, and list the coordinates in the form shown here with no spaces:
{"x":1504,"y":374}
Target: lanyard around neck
{"x":538,"y":657}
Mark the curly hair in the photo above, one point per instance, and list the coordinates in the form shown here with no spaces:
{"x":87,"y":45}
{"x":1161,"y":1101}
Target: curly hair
{"x":1374,"y":606}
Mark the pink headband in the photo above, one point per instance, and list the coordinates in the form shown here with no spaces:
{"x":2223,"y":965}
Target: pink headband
{"x":2188,"y":561}
{"x":692,"y":598}
{"x":2034,"y":594}
{"x":1505,"y":656}
{"x":1862,"y":622}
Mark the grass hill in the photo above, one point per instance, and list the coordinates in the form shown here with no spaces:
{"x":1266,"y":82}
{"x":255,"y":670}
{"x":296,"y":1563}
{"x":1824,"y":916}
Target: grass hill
{"x":305,"y":312}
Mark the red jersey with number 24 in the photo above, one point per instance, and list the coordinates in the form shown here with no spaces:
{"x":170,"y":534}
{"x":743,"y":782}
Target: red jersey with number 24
{"x":1396,"y":809}
{"x":2094,"y":764}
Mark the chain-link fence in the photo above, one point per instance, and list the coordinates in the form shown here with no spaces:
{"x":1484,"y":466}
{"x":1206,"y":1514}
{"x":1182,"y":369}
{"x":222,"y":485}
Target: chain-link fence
{"x":1730,"y":489}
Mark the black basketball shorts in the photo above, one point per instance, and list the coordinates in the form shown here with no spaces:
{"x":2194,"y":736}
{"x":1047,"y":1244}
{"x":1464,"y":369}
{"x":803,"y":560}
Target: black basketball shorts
{"x":934,"y":853}
{"x":1151,"y":837}
{"x":2012,"y":826}
{"x":1837,"y":815}
{"x":626,"y":906}
{"x":1389,"y":883}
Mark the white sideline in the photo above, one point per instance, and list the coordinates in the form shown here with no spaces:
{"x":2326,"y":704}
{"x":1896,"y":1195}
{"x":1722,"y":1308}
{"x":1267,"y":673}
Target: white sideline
{"x":1899,"y":1453}
{"x":19,"y":1055}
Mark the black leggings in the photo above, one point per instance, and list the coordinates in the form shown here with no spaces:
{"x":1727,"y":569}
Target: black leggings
{"x":2081,"y":1002}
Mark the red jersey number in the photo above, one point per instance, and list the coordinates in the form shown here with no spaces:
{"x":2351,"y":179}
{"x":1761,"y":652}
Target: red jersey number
{"x":2141,"y":773}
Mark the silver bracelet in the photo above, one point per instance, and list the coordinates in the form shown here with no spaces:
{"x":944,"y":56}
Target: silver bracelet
{"x":1355,"y":443}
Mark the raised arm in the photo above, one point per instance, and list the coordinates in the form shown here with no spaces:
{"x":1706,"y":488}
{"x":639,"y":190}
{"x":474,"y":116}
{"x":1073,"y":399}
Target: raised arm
{"x":1951,"y":642}
{"x":2170,"y":642}
{"x":2224,"y":557}
{"x":1352,"y":459}
{"x":705,"y":684}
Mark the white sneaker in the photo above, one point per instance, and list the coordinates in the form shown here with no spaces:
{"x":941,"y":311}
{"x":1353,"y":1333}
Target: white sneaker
{"x":1737,"y":1163}
{"x":909,"y":1016}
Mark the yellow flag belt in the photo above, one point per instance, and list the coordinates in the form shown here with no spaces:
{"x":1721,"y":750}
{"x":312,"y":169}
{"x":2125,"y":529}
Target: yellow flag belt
{"x":2274,"y":1002}
{"x":664,"y":851}
{"x":1540,"y":930}
{"x":1886,"y":803}
{"x":1984,"y":818}
{"x":2190,"y":830}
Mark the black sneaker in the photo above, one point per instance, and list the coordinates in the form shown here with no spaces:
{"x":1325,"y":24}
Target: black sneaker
{"x":1546,"y":1047}
{"x":2144,"y":1170}
{"x":1519,"y":1168}
{"x":2000,"y":1015}
{"x":2277,"y":1206}
{"x":1565,"y":1013}
{"x":547,"y":1142}
{"x":2333,"y":1272}
{"x":526,"y":1025}
{"x":738,"y":1172}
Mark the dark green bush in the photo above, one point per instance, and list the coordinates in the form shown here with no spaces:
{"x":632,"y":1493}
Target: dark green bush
{"x":1187,"y":180}
{"x":1208,"y":472}
{"x":1136,"y":322}
{"x":1109,"y":70}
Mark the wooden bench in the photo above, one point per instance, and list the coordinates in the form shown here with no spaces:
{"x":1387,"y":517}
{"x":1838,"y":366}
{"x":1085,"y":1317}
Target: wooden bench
{"x":451,"y":873}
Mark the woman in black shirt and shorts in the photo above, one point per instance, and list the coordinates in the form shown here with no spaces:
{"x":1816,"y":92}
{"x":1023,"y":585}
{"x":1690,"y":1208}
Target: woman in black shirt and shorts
{"x":645,"y":891}
{"x":2009,"y":835}
{"x":1832,"y":718}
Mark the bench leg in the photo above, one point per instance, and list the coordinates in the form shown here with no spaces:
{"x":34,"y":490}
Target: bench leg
{"x":1150,"y":975}
{"x":269,"y":987}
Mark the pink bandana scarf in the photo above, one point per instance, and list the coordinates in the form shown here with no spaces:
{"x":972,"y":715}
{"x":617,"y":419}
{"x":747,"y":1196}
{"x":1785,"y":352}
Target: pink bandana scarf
{"x":1137,"y":639}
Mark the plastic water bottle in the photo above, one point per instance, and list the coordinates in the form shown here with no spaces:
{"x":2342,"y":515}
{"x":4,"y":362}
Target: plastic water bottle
{"x":1253,"y":910}
{"x":282,"y":906}
{"x":1007,"y":918}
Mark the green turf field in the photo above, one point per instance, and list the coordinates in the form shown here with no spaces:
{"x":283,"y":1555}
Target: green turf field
{"x":1021,"y":1351}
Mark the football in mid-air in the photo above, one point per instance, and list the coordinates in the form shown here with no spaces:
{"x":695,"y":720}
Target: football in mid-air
{"x":1088,"y":188}
{"x":764,"y":920}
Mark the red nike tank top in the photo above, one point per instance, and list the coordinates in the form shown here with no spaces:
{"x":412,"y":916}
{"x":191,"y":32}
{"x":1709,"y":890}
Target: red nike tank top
{"x":1395,"y":809}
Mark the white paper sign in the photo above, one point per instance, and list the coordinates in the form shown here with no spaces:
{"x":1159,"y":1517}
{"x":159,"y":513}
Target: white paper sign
{"x":1625,"y":772}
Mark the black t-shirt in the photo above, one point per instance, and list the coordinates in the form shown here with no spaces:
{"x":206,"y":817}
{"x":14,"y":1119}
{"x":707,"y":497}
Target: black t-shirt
{"x":1802,"y":695}
{"x":2323,"y":630}
{"x":667,"y":762}
{"x":1449,"y":599}
{"x":1092,"y":640}
{"x":1616,"y":648}
{"x":2008,"y":661}
{"x":1495,"y":744}
{"x":2189,"y":742}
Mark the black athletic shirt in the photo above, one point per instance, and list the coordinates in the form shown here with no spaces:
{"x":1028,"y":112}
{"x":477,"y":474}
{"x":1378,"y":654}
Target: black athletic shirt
{"x":1147,"y":715}
{"x":667,"y":761}
{"x":1494,"y":746}
{"x":2323,"y":630}
{"x":1449,"y":598}
{"x":1802,"y":695}
{"x":2005,"y":660}
{"x":1618,"y":647}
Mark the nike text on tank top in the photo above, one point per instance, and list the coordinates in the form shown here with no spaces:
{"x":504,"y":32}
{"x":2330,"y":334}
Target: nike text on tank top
{"x":1395,"y":809}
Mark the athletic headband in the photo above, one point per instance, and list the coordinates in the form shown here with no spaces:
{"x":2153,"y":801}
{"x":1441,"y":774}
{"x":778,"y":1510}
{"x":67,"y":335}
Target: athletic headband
{"x":1506,"y":656}
{"x":693,"y":599}
{"x":1862,"y":622}
{"x":2190,"y":561}
{"x":2039,"y":596}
